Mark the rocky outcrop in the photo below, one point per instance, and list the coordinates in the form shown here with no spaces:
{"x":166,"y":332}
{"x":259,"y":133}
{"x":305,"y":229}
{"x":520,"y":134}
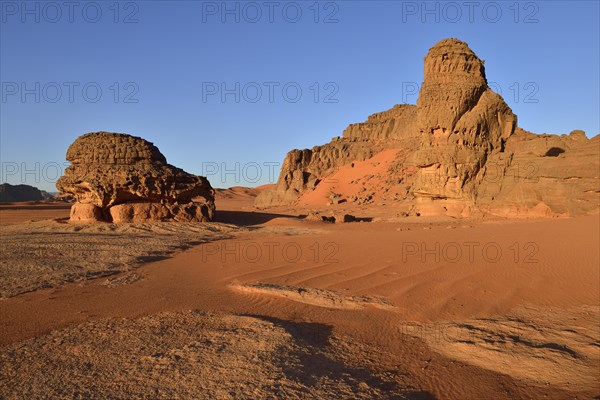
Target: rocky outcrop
{"x":396,"y":123}
{"x":11,"y":193}
{"x":122,"y":178}
{"x":460,"y":153}
{"x":542,"y":175}
{"x":461,"y":120}
{"x":304,"y":169}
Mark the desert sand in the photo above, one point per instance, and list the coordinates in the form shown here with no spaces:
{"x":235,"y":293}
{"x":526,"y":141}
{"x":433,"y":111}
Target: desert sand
{"x":18,"y":212}
{"x":358,"y":310}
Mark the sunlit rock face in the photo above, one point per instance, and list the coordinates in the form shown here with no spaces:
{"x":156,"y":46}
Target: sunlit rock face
{"x":461,"y":122}
{"x":122,"y":178}
{"x":460,"y":153}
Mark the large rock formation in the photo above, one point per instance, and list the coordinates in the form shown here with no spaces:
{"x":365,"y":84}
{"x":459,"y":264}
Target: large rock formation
{"x":461,"y":121}
{"x":122,"y":178}
{"x":10,"y":193}
{"x":542,"y":175}
{"x":304,"y":169}
{"x":459,"y":152}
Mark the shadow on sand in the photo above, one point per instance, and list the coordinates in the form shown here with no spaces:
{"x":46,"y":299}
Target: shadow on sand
{"x":247,"y":218}
{"x":312,"y":362}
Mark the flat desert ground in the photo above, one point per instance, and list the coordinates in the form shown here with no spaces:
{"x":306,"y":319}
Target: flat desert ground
{"x":269,"y":305}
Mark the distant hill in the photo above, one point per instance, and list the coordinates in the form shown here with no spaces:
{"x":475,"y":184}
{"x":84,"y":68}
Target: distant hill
{"x":10,"y":193}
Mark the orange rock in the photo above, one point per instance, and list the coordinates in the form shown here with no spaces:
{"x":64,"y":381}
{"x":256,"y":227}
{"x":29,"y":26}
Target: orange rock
{"x":112,"y":169}
{"x":458,"y":153}
{"x":85,"y":212}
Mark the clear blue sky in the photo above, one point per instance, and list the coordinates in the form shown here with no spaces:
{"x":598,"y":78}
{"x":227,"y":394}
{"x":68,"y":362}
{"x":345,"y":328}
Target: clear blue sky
{"x":171,"y":56}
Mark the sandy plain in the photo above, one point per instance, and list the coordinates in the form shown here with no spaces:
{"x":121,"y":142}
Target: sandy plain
{"x":261,"y":305}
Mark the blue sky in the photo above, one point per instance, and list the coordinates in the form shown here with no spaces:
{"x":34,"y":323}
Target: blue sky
{"x":157,"y":69}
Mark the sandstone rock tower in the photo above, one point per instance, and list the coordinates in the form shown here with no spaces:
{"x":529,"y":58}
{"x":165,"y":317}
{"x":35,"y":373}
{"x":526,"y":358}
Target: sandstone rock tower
{"x":121,"y":178}
{"x":461,"y":122}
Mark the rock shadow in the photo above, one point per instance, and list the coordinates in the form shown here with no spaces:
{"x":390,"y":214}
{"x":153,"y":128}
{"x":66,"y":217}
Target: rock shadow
{"x":311,"y":362}
{"x":554,"y":152}
{"x":247,"y":218}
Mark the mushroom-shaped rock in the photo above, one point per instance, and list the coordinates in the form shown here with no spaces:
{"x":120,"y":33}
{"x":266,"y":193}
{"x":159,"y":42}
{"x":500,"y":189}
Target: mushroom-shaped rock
{"x":123,"y":178}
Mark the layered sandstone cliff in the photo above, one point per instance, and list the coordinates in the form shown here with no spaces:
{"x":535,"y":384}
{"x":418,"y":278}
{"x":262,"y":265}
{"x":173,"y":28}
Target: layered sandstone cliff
{"x":303,"y":170}
{"x":459,"y":153}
